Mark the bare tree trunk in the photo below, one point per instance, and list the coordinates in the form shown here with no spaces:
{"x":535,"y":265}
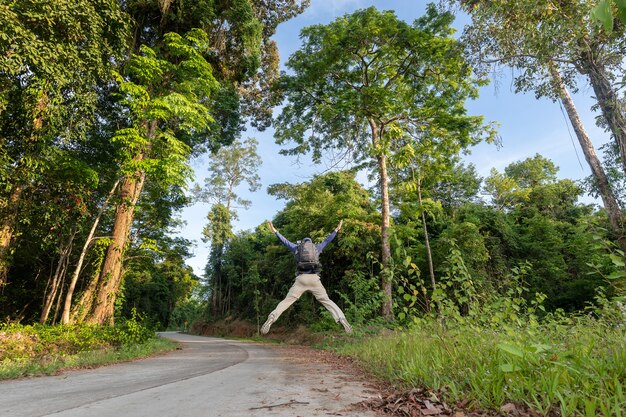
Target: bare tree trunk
{"x":111,"y":273}
{"x":6,"y":234}
{"x":218,"y":284}
{"x":57,"y":278}
{"x":429,"y":255}
{"x":613,"y":210}
{"x":57,"y":306}
{"x":65,"y":317}
{"x":81,"y":310}
{"x":610,"y":105}
{"x":387,"y":307}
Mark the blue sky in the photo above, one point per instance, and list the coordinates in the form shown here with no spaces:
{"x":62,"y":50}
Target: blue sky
{"x":527,"y":126}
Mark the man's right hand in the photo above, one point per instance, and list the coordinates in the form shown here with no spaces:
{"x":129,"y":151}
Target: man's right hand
{"x":272,"y":228}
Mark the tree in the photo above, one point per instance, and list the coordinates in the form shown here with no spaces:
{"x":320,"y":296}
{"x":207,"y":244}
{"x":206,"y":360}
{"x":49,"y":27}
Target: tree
{"x":419,"y":166}
{"x":59,"y":102}
{"x":226,"y":46}
{"x":518,"y":181}
{"x":168,"y":100}
{"x":156,"y":281}
{"x":552,"y":43}
{"x":228,"y":168}
{"x":368,"y":78}
{"x":54,"y":54}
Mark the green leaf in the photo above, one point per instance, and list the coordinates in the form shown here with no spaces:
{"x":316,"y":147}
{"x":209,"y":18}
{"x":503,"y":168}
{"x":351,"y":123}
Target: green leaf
{"x":512,"y":349}
{"x":617,"y":275}
{"x":617,"y":260}
{"x":539,"y":347}
{"x":509,"y":367}
{"x":602,"y":13}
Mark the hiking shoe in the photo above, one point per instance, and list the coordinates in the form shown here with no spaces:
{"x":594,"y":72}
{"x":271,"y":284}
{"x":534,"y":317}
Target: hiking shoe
{"x":268,"y":323}
{"x":345,"y":324}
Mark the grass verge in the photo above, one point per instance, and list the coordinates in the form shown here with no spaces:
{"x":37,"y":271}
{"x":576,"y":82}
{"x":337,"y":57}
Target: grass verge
{"x":29,"y":350}
{"x":575,"y":366}
{"x":52,"y":364}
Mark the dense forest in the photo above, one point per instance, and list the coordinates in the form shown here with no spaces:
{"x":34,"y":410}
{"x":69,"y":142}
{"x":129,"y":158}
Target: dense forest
{"x":104,"y":103}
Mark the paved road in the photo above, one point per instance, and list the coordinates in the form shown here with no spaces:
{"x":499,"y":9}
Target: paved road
{"x":208,"y":377}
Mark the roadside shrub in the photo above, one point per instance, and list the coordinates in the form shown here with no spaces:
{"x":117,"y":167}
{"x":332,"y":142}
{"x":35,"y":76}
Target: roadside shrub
{"x":132,"y":330}
{"x":17,"y":342}
{"x":20,"y":342}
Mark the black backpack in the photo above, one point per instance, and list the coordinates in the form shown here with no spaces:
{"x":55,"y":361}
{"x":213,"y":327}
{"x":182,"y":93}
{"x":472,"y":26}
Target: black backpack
{"x":307,"y":256}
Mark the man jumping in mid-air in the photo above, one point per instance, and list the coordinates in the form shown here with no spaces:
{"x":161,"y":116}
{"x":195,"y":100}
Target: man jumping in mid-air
{"x":307,"y":279}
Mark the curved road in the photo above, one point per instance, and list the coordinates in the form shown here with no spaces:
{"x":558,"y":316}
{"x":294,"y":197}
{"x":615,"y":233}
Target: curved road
{"x":208,"y":377}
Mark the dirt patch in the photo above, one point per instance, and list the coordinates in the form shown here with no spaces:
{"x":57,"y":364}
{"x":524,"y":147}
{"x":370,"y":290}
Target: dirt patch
{"x":388,"y":400}
{"x":243,"y":329}
{"x":224,"y":328}
{"x":420,"y":402}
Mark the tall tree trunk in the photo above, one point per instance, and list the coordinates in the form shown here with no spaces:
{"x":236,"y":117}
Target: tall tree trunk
{"x":386,"y":284}
{"x":65,"y":316}
{"x":613,"y":210}
{"x":610,"y":105}
{"x":111,"y":274}
{"x":54,"y":283}
{"x":429,"y":255}
{"x":82,"y":308}
{"x":110,"y":278}
{"x":6,"y":234}
{"x":57,"y":305}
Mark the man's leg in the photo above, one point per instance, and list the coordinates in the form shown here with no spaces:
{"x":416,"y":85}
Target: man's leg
{"x":296,"y":290}
{"x":318,"y":290}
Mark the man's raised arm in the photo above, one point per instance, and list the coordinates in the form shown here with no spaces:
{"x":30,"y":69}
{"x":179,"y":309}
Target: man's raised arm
{"x":330,"y":237}
{"x":292,"y":246}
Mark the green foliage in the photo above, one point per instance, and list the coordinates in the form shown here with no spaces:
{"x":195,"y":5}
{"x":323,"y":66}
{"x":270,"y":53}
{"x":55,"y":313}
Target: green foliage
{"x":185,"y":313}
{"x":574,"y":365}
{"x":94,"y":90}
{"x":615,"y":173}
{"x":610,"y":265}
{"x":413,"y":298}
{"x":372,"y":86}
{"x":21,"y":342}
{"x":168,"y":94}
{"x":48,"y":45}
{"x":365,"y":298}
{"x":228,"y":168}
{"x":335,"y":94}
{"x":131,"y":330}
{"x":157,"y":279}
{"x":39,"y":350}
{"x":257,"y":271}
{"x":606,"y":11}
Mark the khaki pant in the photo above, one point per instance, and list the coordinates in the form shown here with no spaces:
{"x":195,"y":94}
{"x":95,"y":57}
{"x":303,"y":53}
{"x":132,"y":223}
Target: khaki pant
{"x":304,"y":283}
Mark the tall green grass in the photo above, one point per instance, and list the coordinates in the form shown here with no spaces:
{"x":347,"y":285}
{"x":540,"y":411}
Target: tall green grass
{"x":574,"y":365}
